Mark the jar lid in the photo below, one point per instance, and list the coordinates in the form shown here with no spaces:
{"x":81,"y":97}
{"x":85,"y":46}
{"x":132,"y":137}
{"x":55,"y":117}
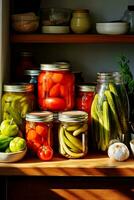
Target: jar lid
{"x":86,"y":88}
{"x":54,"y":67}
{"x":32,"y":72}
{"x":81,"y":11}
{"x":104,"y":76}
{"x":73,"y":116}
{"x":44,"y":116}
{"x":25,"y":53}
{"x":19,"y":87}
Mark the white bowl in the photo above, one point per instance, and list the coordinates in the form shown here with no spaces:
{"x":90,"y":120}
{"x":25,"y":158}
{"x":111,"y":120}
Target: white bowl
{"x":12,"y":157}
{"x":112,"y":28}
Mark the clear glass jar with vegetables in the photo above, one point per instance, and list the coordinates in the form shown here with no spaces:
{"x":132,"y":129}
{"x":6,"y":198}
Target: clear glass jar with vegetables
{"x":56,"y":87}
{"x":39,"y":134}
{"x":17,"y":100}
{"x":109,"y":111}
{"x":73,"y":134}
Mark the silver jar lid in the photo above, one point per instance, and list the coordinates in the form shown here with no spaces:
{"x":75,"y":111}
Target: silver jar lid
{"x":19,"y":87}
{"x":54,"y":67}
{"x":32,"y":72}
{"x":44,"y":116}
{"x":73,"y":116}
{"x":86,"y":88}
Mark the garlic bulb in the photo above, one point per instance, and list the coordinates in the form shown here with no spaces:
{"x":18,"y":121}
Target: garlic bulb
{"x":118,"y":151}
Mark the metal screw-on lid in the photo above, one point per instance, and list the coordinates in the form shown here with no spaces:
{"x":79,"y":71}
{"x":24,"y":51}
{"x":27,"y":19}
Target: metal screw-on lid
{"x":32,"y":72}
{"x":104,"y":76}
{"x":25,"y":53}
{"x":19,"y":87}
{"x":86,"y":88}
{"x":73,"y":116}
{"x":54,"y":67}
{"x":44,"y":116}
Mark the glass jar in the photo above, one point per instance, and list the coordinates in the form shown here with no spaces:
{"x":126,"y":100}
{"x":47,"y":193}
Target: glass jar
{"x":55,"y":88}
{"x":129,"y":17}
{"x":80,"y":22}
{"x":109,"y":114}
{"x":39,"y":130}
{"x":17,"y":100}
{"x":33,"y":78}
{"x":73,"y":138}
{"x":25,"y":63}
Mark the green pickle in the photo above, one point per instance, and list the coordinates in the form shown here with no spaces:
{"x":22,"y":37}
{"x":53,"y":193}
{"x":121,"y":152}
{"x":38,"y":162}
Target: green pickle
{"x":17,"y":100}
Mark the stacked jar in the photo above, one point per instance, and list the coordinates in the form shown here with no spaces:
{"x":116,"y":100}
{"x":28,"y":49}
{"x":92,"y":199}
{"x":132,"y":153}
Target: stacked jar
{"x":56,"y":88}
{"x":109,"y":111}
{"x":17,"y":100}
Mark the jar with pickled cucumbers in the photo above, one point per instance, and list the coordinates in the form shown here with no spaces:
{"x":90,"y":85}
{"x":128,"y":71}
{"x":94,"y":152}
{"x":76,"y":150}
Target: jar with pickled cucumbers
{"x":109,"y":111}
{"x":73,"y":134}
{"x":39,"y":131}
{"x":56,"y":87}
{"x":17,"y":100}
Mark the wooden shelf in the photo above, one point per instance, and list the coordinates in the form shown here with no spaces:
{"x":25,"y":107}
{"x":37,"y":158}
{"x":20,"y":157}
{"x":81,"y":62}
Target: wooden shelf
{"x":92,"y":165}
{"x":71,"y":38}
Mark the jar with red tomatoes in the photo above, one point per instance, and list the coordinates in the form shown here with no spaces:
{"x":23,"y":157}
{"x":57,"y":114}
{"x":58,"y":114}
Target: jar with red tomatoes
{"x":39,"y":134}
{"x":56,"y":87}
{"x":84,"y":98}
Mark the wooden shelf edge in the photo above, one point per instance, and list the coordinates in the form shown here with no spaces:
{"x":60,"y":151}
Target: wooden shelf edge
{"x":71,"y":38}
{"x":100,"y":166}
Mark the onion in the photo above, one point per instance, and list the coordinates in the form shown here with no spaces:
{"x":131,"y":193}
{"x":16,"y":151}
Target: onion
{"x":118,"y":151}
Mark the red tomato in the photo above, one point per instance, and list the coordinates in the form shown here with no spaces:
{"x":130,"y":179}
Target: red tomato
{"x":45,"y":152}
{"x":42,"y":130}
{"x":57,"y":77}
{"x":55,"y":90}
{"x":55,"y":104}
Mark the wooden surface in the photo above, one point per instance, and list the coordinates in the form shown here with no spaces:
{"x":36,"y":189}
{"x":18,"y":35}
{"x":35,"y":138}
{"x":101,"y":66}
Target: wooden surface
{"x":99,"y":165}
{"x":71,"y":38}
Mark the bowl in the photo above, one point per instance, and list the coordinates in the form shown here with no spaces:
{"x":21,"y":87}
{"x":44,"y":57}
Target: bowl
{"x":12,"y":157}
{"x":132,"y":146}
{"x":25,"y":23}
{"x":112,"y":28}
{"x":55,"y":16}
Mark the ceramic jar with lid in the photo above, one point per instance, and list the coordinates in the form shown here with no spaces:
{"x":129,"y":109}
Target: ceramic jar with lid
{"x":73,"y":134}
{"x":56,"y":87}
{"x":80,"y":22}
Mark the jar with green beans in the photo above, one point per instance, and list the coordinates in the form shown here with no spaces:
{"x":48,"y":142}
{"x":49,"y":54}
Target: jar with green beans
{"x":72,"y":134}
{"x":17,"y":100}
{"x":109,"y":111}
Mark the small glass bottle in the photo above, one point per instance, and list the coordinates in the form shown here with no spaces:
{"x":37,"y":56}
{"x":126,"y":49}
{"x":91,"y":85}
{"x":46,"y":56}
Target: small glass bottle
{"x":109,"y":114}
{"x":80,"y":22}
{"x":39,"y":130}
{"x":56,"y":88}
{"x":17,"y":100}
{"x":129,"y":17}
{"x":73,"y":134}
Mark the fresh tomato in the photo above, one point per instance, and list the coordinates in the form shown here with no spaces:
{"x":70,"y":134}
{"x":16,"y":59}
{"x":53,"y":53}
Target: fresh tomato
{"x":45,"y":152}
{"x":55,"y":104}
{"x":55,"y":90}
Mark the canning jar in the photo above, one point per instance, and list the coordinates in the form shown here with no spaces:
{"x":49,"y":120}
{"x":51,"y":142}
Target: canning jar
{"x":73,"y":134}
{"x":85,"y":96}
{"x":55,"y":88}
{"x":109,"y":111}
{"x":39,"y":130}
{"x":80,"y":22}
{"x":33,"y":78}
{"x":17,"y":100}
